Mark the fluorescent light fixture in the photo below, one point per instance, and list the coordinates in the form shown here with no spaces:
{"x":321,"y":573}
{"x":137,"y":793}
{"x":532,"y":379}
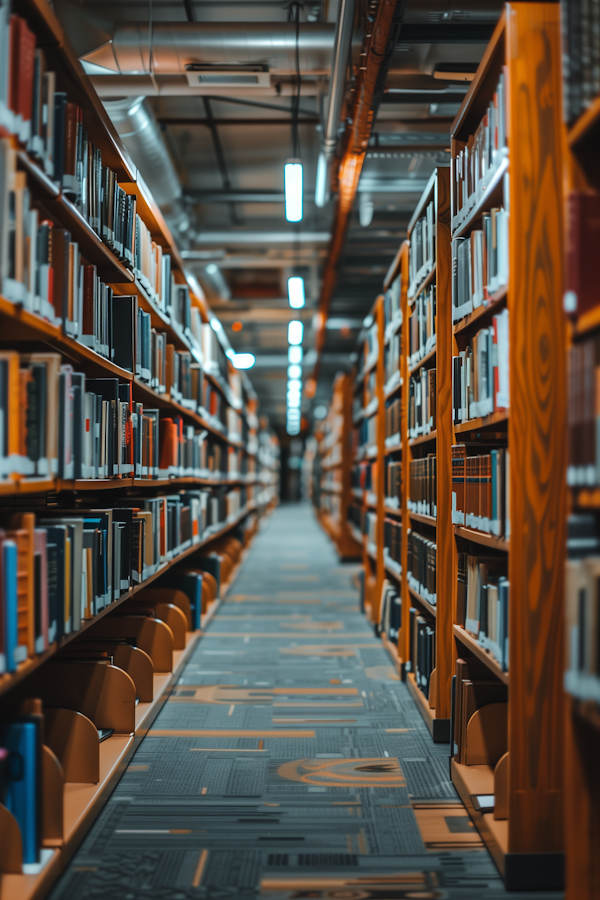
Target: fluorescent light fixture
{"x":212,"y":269}
{"x":243,"y":360}
{"x":322,"y":186}
{"x":292,"y":428}
{"x":295,"y":354}
{"x":215,"y":324}
{"x":293,"y":187}
{"x":296,"y":295}
{"x":230,"y":352}
{"x":294,"y":401}
{"x":294,"y":384}
{"x":368,"y":321}
{"x":295,"y":332}
{"x":294,"y":371}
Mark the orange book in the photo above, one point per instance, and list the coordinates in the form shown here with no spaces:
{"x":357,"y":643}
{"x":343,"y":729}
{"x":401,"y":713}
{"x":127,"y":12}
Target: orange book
{"x":168,"y":443}
{"x":10,"y":359}
{"x":21,"y":531}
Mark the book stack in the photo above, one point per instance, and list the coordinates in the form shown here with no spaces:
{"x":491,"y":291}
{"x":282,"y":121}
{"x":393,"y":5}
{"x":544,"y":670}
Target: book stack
{"x":421,"y":403}
{"x":392,"y":362}
{"x":423,"y":249}
{"x":368,"y":433}
{"x":393,"y":482}
{"x":421,"y":565}
{"x":371,"y":344}
{"x":480,"y":264}
{"x":215,"y":360}
{"x":582,"y":675}
{"x":583,"y":406}
{"x":370,"y":530}
{"x":391,"y":305}
{"x":485,"y":149}
{"x":422,"y":650}
{"x":422,"y":487}
{"x":480,"y":382}
{"x":392,"y":541}
{"x":480,"y":490}
{"x":390,"y":612}
{"x":392,"y":419}
{"x":482,"y":602}
{"x":421,"y":332}
{"x":581,"y":56}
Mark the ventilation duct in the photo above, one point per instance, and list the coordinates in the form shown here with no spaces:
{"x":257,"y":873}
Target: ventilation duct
{"x":176,"y":46}
{"x":142,"y":137}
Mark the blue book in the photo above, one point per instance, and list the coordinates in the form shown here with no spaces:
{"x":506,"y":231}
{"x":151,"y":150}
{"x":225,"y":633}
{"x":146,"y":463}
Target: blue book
{"x":22,"y":739}
{"x":9,"y":590}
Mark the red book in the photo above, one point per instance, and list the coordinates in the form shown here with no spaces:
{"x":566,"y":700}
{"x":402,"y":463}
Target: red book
{"x":26,"y":65}
{"x":168,"y":443}
{"x":582,"y":287}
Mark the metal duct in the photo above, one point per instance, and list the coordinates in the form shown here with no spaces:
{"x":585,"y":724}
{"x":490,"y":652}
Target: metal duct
{"x":139,"y":131}
{"x":176,"y":45}
{"x":337,"y":86}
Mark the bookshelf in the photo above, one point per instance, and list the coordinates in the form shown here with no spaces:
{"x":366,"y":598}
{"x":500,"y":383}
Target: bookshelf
{"x":121,"y":545}
{"x":487,"y":485}
{"x":334,"y":488}
{"x":582,"y":681}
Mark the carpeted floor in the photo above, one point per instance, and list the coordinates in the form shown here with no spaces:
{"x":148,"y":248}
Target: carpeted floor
{"x":289,"y":762}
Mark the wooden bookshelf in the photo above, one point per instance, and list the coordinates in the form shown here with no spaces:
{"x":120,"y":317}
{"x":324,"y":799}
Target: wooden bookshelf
{"x":527,"y":845}
{"x":256,"y":452}
{"x":581,"y":723}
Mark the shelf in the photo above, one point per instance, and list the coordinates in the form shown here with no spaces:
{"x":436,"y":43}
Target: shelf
{"x":43,"y":485}
{"x":422,"y":439}
{"x":587,"y":321}
{"x":585,"y":123}
{"x":439,"y":729}
{"x":480,"y":652}
{"x":424,"y":603}
{"x":9,"y":680}
{"x":392,"y":649}
{"x":478,"y":318}
{"x":423,"y":362}
{"x":471,"y":781}
{"x":394,"y":511}
{"x":496,"y":418}
{"x":392,"y":386}
{"x":493,"y":191}
{"x":480,"y":537}
{"x":425,"y":520}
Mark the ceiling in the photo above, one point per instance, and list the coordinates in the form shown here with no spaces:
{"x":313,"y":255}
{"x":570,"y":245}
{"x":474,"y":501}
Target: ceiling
{"x":228,"y":144}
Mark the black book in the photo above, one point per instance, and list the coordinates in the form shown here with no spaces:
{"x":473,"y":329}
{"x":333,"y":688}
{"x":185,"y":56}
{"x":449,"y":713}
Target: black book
{"x":60,"y":107}
{"x":78,"y":385}
{"x":123,"y":318}
{"x":57,"y":537}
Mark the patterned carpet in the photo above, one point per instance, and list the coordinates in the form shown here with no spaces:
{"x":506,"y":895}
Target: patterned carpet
{"x":289,"y":762}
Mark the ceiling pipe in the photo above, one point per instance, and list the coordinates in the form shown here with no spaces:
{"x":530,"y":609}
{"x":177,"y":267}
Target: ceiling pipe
{"x":176,"y":45}
{"x":337,"y":87}
{"x":382,"y":32}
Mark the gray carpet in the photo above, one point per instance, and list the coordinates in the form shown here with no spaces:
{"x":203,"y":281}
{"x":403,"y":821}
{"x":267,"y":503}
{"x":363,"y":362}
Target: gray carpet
{"x":289,"y":762}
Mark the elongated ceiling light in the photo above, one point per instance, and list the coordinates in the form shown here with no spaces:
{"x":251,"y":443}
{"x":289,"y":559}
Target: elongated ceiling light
{"x":293,"y":187}
{"x":295,"y":332}
{"x":296,"y":295}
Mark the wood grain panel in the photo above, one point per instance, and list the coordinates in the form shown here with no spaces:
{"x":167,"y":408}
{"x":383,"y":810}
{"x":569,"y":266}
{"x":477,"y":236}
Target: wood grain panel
{"x":404,"y":637}
{"x":536,"y":428}
{"x":446,"y":545}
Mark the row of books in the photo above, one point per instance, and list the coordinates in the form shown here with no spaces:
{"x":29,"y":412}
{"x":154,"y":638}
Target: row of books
{"x":367,"y":432}
{"x":422,"y":326}
{"x":580,"y":24}
{"x":392,"y":359}
{"x":583,"y":413}
{"x":392,"y":418}
{"x":390,"y":612}
{"x":421,"y":565}
{"x":480,"y":264}
{"x":480,"y":490}
{"x":482,"y":152}
{"x":421,"y":403}
{"x":422,"y":249}
{"x":482,"y":602}
{"x":480,"y":374}
{"x":372,"y":343}
{"x":473,"y":689}
{"x":393,"y":481}
{"x":582,"y":582}
{"x":370,"y":530}
{"x":355,"y":516}
{"x":331,"y":504}
{"x":422,"y":486}
{"x":58,"y":422}
{"x":391,"y":303}
{"x":392,"y":540}
{"x":62,"y":568}
{"x":421,"y":650}
{"x":43,"y":724}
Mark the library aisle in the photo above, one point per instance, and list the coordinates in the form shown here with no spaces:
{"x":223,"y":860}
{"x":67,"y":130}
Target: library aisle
{"x":289,"y":761}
